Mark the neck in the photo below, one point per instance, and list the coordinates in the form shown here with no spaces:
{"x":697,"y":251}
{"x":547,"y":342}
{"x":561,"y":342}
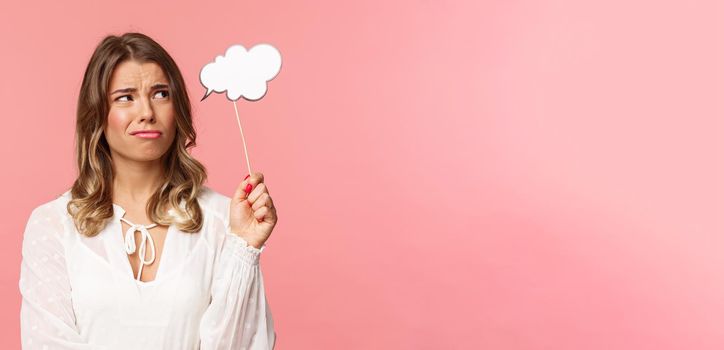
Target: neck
{"x":135,"y":181}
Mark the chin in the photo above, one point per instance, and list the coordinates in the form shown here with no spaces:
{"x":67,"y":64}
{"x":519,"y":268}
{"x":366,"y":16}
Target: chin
{"x":151,"y":155}
{"x":146,"y":159}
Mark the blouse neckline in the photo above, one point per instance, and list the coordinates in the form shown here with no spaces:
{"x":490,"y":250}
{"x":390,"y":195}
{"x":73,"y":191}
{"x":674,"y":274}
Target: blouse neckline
{"x":129,"y":243}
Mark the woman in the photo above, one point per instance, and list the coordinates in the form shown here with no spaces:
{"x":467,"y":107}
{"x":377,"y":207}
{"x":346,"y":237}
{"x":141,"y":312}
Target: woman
{"x":138,"y":253}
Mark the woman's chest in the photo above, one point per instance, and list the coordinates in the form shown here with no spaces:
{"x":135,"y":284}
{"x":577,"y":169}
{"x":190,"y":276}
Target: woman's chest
{"x":105,"y":289}
{"x":145,"y":248}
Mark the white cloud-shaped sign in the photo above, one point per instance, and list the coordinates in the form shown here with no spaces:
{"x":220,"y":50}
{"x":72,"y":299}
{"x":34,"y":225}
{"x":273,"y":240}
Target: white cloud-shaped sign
{"x":242,"y":73}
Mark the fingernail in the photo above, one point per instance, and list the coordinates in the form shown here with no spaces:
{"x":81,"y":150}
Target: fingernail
{"x":248,"y":188}
{"x":247,"y":176}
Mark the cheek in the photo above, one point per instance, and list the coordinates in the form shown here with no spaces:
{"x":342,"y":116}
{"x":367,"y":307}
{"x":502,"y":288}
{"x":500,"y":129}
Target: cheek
{"x":167,"y":118}
{"x":166,"y":114}
{"x":117,"y":122}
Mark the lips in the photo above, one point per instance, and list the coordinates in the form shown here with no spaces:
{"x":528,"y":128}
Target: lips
{"x":147,"y":134}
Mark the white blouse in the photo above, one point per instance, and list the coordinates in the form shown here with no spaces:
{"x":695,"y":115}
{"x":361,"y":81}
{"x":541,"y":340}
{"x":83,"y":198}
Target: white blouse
{"x":80,"y":292}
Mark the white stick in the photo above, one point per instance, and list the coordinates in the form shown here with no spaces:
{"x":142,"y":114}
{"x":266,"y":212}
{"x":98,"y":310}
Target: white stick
{"x":246,"y":153}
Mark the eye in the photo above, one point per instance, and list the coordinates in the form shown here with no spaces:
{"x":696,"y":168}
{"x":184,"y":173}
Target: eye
{"x":120,"y":97}
{"x":162,"y":91}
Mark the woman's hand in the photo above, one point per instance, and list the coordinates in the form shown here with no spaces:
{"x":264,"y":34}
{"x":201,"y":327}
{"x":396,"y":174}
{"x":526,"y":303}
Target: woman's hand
{"x":252,"y":214}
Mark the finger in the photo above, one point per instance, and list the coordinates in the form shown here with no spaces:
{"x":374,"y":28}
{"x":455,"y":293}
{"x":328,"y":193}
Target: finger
{"x":240,"y":194}
{"x":252,"y":181}
{"x":271,"y":216}
{"x":256,"y":178}
{"x":263,"y":200}
{"x":260,"y":213}
{"x":270,"y":203}
{"x":256,"y":192}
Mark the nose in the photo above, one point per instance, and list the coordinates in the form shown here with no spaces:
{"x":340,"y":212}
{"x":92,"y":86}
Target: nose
{"x":146,"y":113}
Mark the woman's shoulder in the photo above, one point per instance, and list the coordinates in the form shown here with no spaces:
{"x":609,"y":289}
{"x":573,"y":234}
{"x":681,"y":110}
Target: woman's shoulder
{"x":213,"y":202}
{"x":53,"y":208}
{"x":47,"y":217}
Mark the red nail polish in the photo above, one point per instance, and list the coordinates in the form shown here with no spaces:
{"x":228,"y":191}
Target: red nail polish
{"x":247,"y":176}
{"x":248,"y":188}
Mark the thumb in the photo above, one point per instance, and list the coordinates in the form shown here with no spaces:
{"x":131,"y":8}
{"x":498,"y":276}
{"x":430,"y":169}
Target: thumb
{"x":240,"y":194}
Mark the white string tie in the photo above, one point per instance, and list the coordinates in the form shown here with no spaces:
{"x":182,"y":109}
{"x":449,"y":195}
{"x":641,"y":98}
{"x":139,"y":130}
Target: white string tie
{"x":130,"y":243}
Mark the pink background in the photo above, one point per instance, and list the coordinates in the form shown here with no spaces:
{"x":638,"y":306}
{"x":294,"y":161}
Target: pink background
{"x":449,"y":175}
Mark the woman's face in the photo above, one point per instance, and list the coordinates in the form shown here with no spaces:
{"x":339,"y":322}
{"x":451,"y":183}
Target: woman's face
{"x":139,"y":100}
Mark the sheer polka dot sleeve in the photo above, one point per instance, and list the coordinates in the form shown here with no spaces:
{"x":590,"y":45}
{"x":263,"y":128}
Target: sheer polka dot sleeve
{"x":47,"y":320}
{"x":238,"y":316}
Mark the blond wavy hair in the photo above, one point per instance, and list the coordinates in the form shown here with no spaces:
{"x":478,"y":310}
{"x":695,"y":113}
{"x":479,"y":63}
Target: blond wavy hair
{"x":92,"y":200}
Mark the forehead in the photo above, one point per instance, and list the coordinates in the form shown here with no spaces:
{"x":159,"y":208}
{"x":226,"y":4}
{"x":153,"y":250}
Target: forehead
{"x":134,"y":73}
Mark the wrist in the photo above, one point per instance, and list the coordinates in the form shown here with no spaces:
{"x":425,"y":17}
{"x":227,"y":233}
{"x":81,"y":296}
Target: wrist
{"x":251,"y":242}
{"x":254,"y":244}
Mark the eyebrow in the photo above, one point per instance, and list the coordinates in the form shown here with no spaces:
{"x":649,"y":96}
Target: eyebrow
{"x":154,"y":87}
